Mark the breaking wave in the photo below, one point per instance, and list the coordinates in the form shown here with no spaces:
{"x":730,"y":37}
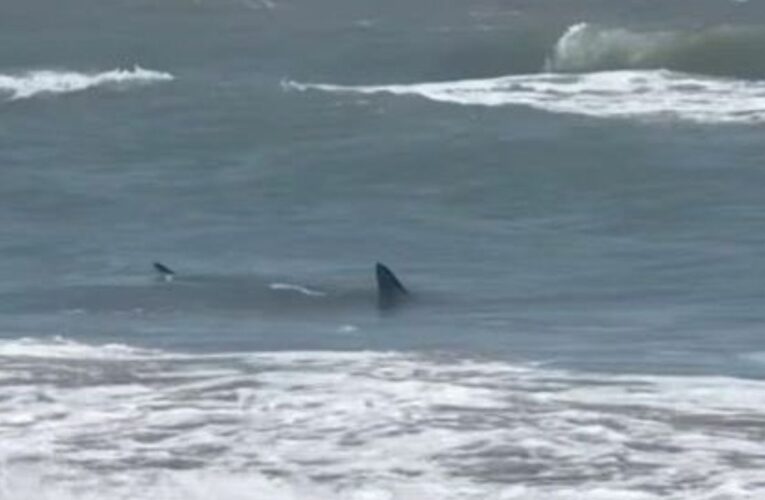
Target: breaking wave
{"x":642,"y":94}
{"x":723,"y":50}
{"x":119,"y":422}
{"x":711,"y":75}
{"x":34,"y":83}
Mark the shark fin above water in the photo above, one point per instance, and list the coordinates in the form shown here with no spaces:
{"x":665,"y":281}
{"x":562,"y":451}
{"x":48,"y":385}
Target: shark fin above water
{"x":390,"y":291}
{"x":164,"y":271}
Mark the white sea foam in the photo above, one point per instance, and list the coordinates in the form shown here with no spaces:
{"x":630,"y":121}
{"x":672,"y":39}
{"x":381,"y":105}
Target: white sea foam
{"x":363,"y":426}
{"x":616,"y":72}
{"x":296,"y":288}
{"x":60,"y":347}
{"x":33,"y":83}
{"x":641,"y":94}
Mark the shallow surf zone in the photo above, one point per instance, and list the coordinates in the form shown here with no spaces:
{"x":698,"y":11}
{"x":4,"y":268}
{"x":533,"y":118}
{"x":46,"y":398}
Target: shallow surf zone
{"x":84,"y":421}
{"x":48,"y":82}
{"x":651,"y":95}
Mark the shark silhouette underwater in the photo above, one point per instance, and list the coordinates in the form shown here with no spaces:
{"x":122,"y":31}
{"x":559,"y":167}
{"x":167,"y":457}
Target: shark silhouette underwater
{"x":390,"y":291}
{"x":176,"y":292}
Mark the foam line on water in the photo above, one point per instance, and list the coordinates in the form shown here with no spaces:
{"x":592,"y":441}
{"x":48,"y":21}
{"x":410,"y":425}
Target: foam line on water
{"x":33,"y":83}
{"x":296,"y":288}
{"x":655,"y":95}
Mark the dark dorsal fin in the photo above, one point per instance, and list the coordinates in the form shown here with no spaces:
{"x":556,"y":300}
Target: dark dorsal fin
{"x":390,"y":291}
{"x":163,"y":270}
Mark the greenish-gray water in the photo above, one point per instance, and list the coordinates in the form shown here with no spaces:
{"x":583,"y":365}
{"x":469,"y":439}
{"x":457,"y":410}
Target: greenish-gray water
{"x":571,"y":191}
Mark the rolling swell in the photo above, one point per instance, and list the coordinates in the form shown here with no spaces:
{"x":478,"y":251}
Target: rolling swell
{"x":734,"y":51}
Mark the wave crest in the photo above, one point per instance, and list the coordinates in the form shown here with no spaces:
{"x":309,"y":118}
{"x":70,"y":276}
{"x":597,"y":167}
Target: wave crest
{"x":33,"y":83}
{"x":720,"y":50}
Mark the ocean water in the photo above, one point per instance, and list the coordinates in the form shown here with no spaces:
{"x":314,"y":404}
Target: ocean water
{"x":573,"y":192}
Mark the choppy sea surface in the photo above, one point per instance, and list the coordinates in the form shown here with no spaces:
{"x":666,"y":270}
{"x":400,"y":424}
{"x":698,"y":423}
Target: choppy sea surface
{"x":573,"y":192}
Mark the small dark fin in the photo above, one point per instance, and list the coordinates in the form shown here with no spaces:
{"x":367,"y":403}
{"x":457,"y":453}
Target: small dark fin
{"x":390,"y":291}
{"x":165,"y":271}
